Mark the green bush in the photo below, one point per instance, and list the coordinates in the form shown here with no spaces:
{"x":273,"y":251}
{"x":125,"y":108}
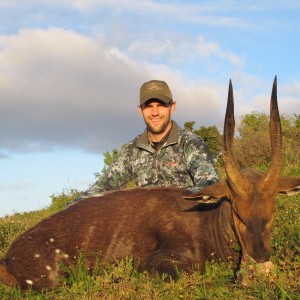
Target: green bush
{"x":252,"y":143}
{"x":60,"y":201}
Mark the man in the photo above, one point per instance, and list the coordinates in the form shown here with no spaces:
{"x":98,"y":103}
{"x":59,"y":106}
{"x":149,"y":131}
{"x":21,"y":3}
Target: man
{"x":163,"y":155}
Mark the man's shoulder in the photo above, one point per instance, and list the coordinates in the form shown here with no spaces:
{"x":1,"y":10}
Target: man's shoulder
{"x":133,"y":144}
{"x":188,"y":136}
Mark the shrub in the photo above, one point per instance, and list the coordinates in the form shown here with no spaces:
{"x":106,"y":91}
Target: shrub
{"x":252,"y":144}
{"x":60,"y":201}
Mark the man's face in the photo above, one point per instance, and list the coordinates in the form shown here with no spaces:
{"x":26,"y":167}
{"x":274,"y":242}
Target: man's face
{"x":157,"y":115}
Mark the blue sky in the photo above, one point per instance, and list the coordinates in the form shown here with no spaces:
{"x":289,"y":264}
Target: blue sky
{"x":70,"y":73}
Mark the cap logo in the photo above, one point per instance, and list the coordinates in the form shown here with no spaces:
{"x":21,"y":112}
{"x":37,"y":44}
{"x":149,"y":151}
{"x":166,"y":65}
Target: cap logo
{"x":154,"y":87}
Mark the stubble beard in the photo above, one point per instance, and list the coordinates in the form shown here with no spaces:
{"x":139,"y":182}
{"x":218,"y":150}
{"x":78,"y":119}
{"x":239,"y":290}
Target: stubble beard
{"x":161,"y":128}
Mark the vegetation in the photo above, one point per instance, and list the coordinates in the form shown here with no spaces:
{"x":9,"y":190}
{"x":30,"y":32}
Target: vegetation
{"x":122,"y":281}
{"x":210,"y":135}
{"x":109,"y":158}
{"x":253,"y":145}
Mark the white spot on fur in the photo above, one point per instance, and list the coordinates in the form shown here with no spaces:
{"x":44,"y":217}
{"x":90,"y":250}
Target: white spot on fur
{"x":51,"y":240}
{"x":37,"y":255}
{"x":66,"y":255}
{"x":57,"y":251}
{"x":28,"y":281}
{"x":48,"y":268}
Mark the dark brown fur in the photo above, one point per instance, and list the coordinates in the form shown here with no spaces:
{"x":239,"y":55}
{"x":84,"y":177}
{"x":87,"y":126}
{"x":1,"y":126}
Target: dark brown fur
{"x":155,"y":226}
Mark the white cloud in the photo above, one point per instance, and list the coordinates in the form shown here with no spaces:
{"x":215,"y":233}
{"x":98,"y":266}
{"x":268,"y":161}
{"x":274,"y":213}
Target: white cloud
{"x":292,"y":89}
{"x":287,"y":95}
{"x":182,"y":51}
{"x":62,"y":89}
{"x":204,"y":13}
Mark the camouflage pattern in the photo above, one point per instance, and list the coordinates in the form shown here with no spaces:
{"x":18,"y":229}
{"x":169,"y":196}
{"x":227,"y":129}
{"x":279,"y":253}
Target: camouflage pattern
{"x":183,"y":161}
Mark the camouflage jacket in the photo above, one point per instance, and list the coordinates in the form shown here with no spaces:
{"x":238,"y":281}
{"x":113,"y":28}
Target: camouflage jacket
{"x":182,"y":161}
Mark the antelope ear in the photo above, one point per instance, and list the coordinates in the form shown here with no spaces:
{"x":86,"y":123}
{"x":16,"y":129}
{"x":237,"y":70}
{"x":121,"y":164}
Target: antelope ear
{"x":288,"y":186}
{"x":211,"y":194}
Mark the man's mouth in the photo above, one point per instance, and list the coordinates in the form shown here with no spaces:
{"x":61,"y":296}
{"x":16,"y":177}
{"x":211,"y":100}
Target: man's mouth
{"x":156,"y":120}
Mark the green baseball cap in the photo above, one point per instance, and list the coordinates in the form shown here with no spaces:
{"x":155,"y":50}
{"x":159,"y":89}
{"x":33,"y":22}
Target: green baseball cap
{"x":155,"y":89}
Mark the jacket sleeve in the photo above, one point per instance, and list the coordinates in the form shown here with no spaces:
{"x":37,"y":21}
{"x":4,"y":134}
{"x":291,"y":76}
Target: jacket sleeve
{"x":199,"y":163}
{"x":116,"y":177}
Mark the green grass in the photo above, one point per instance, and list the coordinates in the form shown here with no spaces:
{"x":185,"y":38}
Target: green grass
{"x":122,"y":281}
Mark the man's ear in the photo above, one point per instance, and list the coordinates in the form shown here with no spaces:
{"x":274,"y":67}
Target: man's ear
{"x":173,"y":107}
{"x":140,"y":110}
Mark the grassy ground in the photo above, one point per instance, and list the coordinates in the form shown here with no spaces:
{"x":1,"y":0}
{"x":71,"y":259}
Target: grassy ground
{"x":123,"y":282}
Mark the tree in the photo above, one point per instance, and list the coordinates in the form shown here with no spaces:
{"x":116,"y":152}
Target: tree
{"x":210,"y":135}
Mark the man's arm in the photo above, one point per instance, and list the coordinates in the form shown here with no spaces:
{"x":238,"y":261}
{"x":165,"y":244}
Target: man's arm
{"x":116,"y":177}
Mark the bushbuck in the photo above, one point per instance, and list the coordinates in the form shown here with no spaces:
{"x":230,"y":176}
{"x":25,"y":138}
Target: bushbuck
{"x":161,"y":229}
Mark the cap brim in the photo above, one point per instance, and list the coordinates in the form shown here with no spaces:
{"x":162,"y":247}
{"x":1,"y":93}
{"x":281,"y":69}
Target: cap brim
{"x":160,"y":97}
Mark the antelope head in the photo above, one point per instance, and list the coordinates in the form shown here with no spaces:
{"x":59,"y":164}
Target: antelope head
{"x":251,"y":193}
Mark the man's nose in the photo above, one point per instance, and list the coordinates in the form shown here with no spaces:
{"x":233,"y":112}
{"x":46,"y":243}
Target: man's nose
{"x":154,"y":110}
